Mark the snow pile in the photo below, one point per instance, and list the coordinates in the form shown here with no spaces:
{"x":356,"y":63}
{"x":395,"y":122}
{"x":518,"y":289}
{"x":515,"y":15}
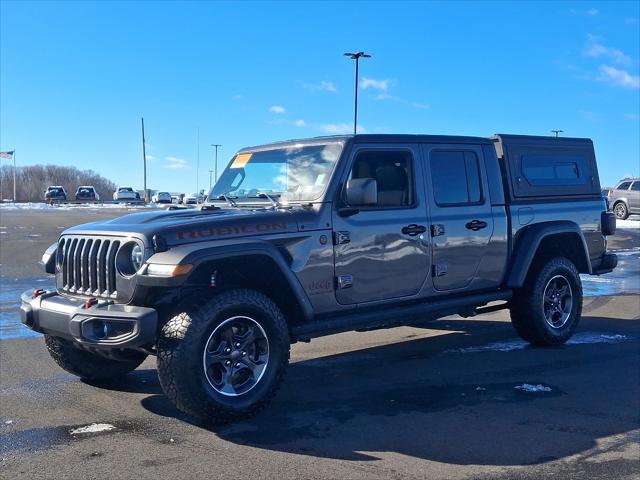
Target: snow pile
{"x":588,"y":338}
{"x":93,"y":428}
{"x":627,"y":223}
{"x":527,"y":387}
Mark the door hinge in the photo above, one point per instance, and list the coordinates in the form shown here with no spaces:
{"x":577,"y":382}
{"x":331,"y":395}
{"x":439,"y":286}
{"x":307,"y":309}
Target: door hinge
{"x":344,"y":281}
{"x":439,"y":269}
{"x":340,"y":238}
{"x":437,"y":229}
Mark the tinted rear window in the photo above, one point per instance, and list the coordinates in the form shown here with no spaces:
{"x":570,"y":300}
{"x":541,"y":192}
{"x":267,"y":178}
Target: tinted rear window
{"x":623,"y":186}
{"x":455,"y":177}
{"x":553,"y":170}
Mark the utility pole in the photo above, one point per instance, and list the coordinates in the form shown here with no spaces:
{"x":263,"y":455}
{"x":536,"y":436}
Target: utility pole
{"x":215,"y":163}
{"x":356,"y":57}
{"x":14,"y":175}
{"x":557,"y":132}
{"x":144,"y":159}
{"x":198,"y":166}
{"x":210,"y":172}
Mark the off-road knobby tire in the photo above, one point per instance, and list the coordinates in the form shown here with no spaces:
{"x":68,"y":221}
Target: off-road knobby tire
{"x":621,"y":207}
{"x":87,"y":365}
{"x":181,"y":344}
{"x":526,"y":306}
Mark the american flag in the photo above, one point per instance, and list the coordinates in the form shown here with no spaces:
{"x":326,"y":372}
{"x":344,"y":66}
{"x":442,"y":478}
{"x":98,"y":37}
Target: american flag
{"x":6,"y":154}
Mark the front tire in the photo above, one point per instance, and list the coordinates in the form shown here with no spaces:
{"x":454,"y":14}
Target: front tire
{"x":87,"y":365}
{"x":621,"y":211}
{"x":224,"y":359}
{"x":548,"y":307}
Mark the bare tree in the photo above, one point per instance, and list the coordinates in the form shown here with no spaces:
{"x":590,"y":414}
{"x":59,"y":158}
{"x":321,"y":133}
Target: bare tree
{"x":33,"y":180}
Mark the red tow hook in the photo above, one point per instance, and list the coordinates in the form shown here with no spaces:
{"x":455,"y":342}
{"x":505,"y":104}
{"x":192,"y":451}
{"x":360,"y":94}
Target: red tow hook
{"x":91,"y":302}
{"x":37,"y":292}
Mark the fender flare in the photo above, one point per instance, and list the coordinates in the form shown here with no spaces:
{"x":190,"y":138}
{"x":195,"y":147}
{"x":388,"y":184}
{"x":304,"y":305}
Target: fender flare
{"x":203,"y":254}
{"x":527,"y":245}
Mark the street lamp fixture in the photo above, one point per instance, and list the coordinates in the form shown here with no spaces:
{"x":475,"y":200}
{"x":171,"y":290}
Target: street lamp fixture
{"x":557,"y":132}
{"x":356,"y":56}
{"x":215,"y":164}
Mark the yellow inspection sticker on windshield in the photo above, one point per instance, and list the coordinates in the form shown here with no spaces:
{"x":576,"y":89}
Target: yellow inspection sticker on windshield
{"x":241,"y":160}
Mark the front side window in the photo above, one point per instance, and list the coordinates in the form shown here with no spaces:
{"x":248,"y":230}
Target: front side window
{"x":624,"y":186}
{"x":392,"y":172}
{"x":292,"y":173}
{"x":455,"y":177}
{"x":636,"y":186}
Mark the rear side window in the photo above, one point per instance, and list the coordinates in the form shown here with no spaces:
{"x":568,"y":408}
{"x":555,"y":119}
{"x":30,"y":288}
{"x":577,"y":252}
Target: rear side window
{"x":636,"y":186}
{"x":623,"y":186}
{"x":455,"y":177}
{"x":553,"y":170}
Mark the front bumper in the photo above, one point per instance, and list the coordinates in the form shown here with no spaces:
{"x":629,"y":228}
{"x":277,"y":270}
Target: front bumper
{"x":105,"y":324}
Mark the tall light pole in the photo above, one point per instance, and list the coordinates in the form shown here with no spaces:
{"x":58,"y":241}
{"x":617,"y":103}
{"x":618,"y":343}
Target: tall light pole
{"x":210,"y":172}
{"x":356,"y":57}
{"x":215,"y":163}
{"x":144,"y":158}
{"x":557,"y":132}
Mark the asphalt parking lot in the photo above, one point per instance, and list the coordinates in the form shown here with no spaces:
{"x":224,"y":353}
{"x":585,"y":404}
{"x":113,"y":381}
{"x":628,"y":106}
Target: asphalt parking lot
{"x":457,"y":398}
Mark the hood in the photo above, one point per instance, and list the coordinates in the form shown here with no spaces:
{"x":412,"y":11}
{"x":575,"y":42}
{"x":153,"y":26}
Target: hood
{"x":192,"y":225}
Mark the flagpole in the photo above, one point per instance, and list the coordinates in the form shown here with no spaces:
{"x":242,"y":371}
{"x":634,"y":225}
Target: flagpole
{"x":14,"y":176}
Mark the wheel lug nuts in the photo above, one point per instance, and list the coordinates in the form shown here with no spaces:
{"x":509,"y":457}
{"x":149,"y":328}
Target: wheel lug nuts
{"x":244,"y":353}
{"x":227,"y":363}
{"x":227,"y":350}
{"x":238,"y":364}
{"x":237,"y":345}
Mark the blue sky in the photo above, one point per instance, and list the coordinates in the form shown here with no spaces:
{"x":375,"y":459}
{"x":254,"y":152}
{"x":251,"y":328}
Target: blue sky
{"x":76,"y":77}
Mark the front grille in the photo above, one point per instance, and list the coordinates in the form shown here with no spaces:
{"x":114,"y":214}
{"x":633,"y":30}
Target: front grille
{"x":87,"y":266}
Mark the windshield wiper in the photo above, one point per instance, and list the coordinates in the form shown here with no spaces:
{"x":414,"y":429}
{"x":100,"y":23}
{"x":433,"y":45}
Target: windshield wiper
{"x":275,"y":203}
{"x":230,"y":200}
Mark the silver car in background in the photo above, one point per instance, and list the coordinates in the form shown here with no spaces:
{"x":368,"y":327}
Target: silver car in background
{"x":624,"y":199}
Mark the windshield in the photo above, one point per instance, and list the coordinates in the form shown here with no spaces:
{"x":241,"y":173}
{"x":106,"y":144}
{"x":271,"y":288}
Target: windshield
{"x":294,"y":173}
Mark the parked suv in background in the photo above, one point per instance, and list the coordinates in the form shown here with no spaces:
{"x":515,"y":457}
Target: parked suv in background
{"x":624,"y":199}
{"x":55,"y":193}
{"x":125,"y":193}
{"x":87,"y":193}
{"x":161,"y":197}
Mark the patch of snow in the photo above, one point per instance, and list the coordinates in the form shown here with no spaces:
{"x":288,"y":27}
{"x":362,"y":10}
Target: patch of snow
{"x":480,"y":389}
{"x":34,"y":235}
{"x":507,"y":346}
{"x":8,"y":422}
{"x":93,"y":428}
{"x":526,"y":387}
{"x":582,"y":338}
{"x":627,"y":223}
{"x":590,"y":337}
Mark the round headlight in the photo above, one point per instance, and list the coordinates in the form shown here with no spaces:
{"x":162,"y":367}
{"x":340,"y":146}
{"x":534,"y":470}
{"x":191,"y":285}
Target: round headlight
{"x":136,"y":257}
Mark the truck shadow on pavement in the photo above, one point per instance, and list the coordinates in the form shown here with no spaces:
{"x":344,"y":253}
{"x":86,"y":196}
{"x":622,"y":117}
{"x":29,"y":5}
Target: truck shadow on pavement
{"x":426,"y":399}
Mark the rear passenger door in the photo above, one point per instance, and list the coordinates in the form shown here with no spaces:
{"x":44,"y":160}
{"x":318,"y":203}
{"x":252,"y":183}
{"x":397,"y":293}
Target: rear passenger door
{"x":461,"y":217}
{"x":634,"y":197}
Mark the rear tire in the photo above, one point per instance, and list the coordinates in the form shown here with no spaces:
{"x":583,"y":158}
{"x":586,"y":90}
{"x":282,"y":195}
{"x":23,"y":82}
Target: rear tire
{"x":87,"y":365}
{"x":621,"y":211}
{"x":548,"y":307}
{"x":224,"y":359}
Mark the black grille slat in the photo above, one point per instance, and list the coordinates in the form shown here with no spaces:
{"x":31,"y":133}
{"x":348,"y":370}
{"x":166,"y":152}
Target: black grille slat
{"x":88,"y":265}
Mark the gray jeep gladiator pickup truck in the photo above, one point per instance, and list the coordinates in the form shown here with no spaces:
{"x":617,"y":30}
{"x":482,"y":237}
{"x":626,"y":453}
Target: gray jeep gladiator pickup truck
{"x":312,"y":237}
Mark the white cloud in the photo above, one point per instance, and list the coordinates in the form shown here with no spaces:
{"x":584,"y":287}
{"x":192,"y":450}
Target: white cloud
{"x":277,"y":109}
{"x":632,"y":116}
{"x":631,"y":20}
{"x":592,"y":12}
{"x":594,"y":48}
{"x":341,"y":128}
{"x":618,"y":78}
{"x":300,"y":123}
{"x":175,"y":163}
{"x":150,"y":157}
{"x":323,"y":85}
{"x":421,"y":106}
{"x":238,"y":96}
{"x":381,"y":85}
